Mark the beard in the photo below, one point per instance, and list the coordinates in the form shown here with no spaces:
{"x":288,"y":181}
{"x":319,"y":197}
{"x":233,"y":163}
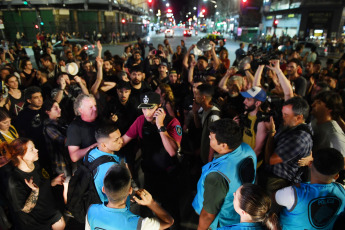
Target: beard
{"x":135,"y":82}
{"x":250,"y":108}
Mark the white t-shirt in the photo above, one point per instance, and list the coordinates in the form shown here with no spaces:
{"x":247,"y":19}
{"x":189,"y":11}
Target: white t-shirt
{"x":286,"y":197}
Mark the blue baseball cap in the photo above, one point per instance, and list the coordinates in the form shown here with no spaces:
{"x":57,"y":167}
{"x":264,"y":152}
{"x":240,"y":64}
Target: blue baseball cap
{"x":255,"y":92}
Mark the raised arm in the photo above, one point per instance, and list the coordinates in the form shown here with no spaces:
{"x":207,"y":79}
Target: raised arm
{"x":164,"y":218}
{"x":185,"y":58}
{"x":99,"y":47}
{"x":169,"y":143}
{"x":58,"y":97}
{"x":257,"y":76}
{"x":82,"y":85}
{"x":216,"y":61}
{"x":284,"y":82}
{"x":191,"y":72}
{"x":224,"y":80}
{"x":95,"y":86}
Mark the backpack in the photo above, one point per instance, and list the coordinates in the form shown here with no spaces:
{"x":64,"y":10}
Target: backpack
{"x":81,"y":188}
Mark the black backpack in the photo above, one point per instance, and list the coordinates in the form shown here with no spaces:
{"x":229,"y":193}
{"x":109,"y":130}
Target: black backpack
{"x":81,"y":188}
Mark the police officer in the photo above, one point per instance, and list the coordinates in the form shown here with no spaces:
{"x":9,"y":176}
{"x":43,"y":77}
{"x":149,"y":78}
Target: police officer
{"x":160,"y":137}
{"x":234,"y":164}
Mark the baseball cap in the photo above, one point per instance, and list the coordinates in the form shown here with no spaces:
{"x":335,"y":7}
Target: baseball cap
{"x":164,"y":63}
{"x":149,"y":100}
{"x":203,"y":58}
{"x":255,"y":92}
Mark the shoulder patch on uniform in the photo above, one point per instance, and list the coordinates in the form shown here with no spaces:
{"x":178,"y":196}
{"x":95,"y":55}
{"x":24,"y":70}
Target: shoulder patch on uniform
{"x":323,"y":210}
{"x":178,"y":130}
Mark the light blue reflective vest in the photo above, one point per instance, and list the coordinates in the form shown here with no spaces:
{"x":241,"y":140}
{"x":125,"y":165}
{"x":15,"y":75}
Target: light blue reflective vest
{"x":100,"y":216}
{"x":101,"y":170}
{"x":229,"y":166}
{"x":317,"y":206}
{"x":243,"y":226}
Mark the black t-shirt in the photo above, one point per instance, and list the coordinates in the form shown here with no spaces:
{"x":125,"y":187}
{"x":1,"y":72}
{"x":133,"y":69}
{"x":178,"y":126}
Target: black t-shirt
{"x":145,"y":87}
{"x":126,"y":113}
{"x":17,"y":105}
{"x":29,"y":124}
{"x":81,"y":133}
{"x":45,"y":213}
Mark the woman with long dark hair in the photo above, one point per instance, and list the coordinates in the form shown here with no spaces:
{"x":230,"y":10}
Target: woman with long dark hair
{"x":167,"y":98}
{"x":55,"y":132}
{"x":28,"y":74}
{"x":253,"y":205}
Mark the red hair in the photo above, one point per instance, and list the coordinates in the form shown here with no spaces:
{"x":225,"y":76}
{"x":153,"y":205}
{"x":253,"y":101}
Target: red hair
{"x":16,"y":148}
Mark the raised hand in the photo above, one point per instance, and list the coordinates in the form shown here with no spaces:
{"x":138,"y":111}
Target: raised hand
{"x":31,"y":184}
{"x":58,"y":180}
{"x":145,"y":197}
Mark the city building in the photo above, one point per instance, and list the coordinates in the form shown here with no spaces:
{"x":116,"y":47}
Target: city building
{"x":305,"y":19}
{"x":73,"y":16}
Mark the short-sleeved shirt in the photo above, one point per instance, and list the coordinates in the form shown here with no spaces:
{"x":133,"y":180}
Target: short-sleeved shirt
{"x":328,"y":135}
{"x":9,"y":136}
{"x":173,"y":128}
{"x":45,"y":213}
{"x":291,"y":144}
{"x":81,"y":133}
{"x":101,"y":170}
{"x":216,"y":188}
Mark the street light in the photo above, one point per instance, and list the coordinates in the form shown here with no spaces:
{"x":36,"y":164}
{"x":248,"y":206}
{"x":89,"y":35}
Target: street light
{"x":194,"y":8}
{"x":167,"y":5}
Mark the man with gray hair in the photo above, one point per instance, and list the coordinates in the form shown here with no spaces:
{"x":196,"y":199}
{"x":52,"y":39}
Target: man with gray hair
{"x":286,"y":147}
{"x":81,"y":131}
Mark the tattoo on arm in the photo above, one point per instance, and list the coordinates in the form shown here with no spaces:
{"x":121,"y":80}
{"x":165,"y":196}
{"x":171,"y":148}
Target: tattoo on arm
{"x":31,"y":202}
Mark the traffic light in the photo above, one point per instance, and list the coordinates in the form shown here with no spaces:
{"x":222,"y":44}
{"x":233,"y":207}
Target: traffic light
{"x":123,"y":21}
{"x":25,"y":3}
{"x":36,"y":26}
{"x":244,"y":1}
{"x":203,"y":10}
{"x":149,"y":1}
{"x":169,"y":10}
{"x":275,"y":23}
{"x":42,"y":23}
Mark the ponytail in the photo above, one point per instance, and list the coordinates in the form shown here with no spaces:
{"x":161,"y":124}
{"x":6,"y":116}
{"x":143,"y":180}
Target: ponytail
{"x":256,"y":202}
{"x":271,"y":221}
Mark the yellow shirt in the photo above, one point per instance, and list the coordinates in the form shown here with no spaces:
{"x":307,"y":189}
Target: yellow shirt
{"x":249,"y":135}
{"x":10,"y":135}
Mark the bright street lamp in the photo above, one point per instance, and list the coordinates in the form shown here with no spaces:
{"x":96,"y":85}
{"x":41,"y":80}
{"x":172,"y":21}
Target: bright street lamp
{"x":167,"y":5}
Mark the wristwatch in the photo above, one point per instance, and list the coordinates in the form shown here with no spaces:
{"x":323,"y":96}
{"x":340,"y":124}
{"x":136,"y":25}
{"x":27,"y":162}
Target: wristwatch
{"x":162,"y":129}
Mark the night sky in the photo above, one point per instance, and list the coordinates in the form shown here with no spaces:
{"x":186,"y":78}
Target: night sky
{"x":177,"y":7}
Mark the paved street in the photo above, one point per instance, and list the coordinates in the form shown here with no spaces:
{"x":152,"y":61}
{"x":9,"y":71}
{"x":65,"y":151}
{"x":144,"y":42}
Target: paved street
{"x":156,"y":39}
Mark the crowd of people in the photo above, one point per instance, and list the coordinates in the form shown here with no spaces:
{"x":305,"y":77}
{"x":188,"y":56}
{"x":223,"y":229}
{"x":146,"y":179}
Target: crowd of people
{"x":260,"y":143}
